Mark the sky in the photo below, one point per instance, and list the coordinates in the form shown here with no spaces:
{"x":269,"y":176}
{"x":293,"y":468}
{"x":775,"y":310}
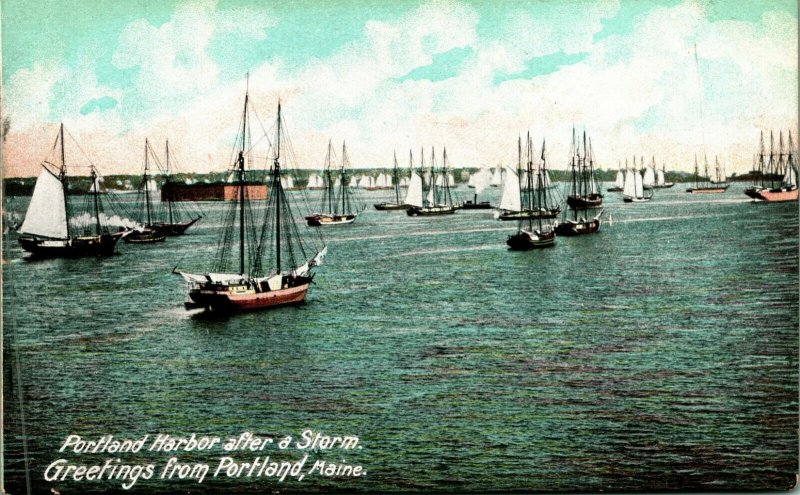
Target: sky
{"x":470,"y":76}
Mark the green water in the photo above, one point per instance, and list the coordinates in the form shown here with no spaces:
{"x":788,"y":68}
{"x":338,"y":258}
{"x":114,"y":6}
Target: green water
{"x":661,"y":353}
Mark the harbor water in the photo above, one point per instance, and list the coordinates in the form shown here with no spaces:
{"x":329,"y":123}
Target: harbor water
{"x":660,"y":353}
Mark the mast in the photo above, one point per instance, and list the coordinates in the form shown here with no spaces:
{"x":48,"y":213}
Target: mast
{"x":396,"y":179}
{"x":761,"y":159}
{"x":146,"y":185}
{"x":169,"y":196}
{"x":241,"y":178}
{"x":344,"y":191}
{"x":93,"y":175}
{"x":62,"y":176}
{"x":277,"y":181}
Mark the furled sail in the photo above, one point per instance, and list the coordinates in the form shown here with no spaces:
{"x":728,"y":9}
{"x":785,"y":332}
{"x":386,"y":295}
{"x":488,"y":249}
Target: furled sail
{"x":47,"y":214}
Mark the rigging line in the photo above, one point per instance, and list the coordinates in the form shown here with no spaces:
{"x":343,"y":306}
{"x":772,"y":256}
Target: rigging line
{"x":79,"y":147}
{"x":700,"y":95}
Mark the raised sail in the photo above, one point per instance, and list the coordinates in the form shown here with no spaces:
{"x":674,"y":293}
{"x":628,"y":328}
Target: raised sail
{"x":510,"y":198}
{"x":47,"y":215}
{"x":414,"y":193}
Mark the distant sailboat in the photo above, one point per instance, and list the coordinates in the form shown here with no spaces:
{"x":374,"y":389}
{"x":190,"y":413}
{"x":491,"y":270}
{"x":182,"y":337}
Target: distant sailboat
{"x":619,"y":182}
{"x":395,"y":179}
{"x":584,"y":194}
{"x":176,"y":216}
{"x":315,"y":183}
{"x":633,"y":189}
{"x":704,"y":185}
{"x":273,"y":263}
{"x":649,"y":175}
{"x":439,"y":200}
{"x":46,"y":231}
{"x":146,"y":234}
{"x":661,"y":183}
{"x":339,"y":205}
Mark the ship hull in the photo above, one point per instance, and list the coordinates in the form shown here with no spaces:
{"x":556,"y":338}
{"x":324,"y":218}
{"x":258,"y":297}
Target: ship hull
{"x":173,"y":229}
{"x":390,"y":206}
{"x":329,"y":220}
{"x":572,"y":228}
{"x":707,"y":190}
{"x":74,"y":247}
{"x":777,"y":195}
{"x":585,"y":202}
{"x":469,"y":205}
{"x":632,"y":199}
{"x":665,"y":185}
{"x":614,"y":189}
{"x":431,"y":211}
{"x":145,"y":237}
{"x":225,"y":301}
{"x":524,"y":215}
{"x":525,"y":241}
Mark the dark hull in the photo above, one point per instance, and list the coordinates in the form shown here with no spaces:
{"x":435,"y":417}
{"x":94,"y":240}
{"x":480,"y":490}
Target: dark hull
{"x":572,"y":228}
{"x":75,"y":247}
{"x":614,"y":189}
{"x":665,"y":185}
{"x":149,"y":237}
{"x":432,"y":211}
{"x":585,"y":202}
{"x":523,"y":241}
{"x":469,"y":205}
{"x":390,"y":206}
{"x":707,"y":190}
{"x":752,"y":192}
{"x":172,"y":229}
{"x":524,"y":215}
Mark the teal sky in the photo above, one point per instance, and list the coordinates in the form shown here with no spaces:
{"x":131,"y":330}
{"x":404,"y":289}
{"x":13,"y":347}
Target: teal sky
{"x":69,"y":41}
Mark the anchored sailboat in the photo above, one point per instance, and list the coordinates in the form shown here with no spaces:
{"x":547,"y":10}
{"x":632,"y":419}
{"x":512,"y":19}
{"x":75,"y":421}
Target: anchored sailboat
{"x":395,"y":179}
{"x":783,"y":166}
{"x":584,"y":194}
{"x":274,"y":263}
{"x":339,"y":205}
{"x":439,"y":200}
{"x":175,"y":217}
{"x":661,"y":183}
{"x":519,"y":182}
{"x":315,"y":183}
{"x":46,"y":231}
{"x":532,"y":232}
{"x":704,"y":184}
{"x":619,"y":181}
{"x":145,"y":234}
{"x":633,"y":190}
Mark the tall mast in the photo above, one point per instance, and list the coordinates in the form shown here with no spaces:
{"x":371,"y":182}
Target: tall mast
{"x":146,"y":185}
{"x":277,"y":181}
{"x":771,"y":164}
{"x":330,"y":191}
{"x":96,"y":199}
{"x":344,"y":191}
{"x":396,"y":179}
{"x":241,"y":178}
{"x":62,"y":176}
{"x":169,"y":196}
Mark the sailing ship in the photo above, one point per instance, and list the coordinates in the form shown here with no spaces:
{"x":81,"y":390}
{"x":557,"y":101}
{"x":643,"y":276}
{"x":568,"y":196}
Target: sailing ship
{"x":395,"y":179}
{"x":584,"y":192}
{"x":497,"y":176}
{"x":532,"y":232}
{"x":619,"y":181}
{"x":439,"y":200}
{"x":46,"y":231}
{"x":145,"y":234}
{"x":783,"y":166}
{"x":649,"y":174}
{"x":661,"y":183}
{"x":339,"y":205}
{"x":478,"y":181}
{"x":704,"y":185}
{"x":274,"y":263}
{"x":175,"y":217}
{"x":633,"y":190}
{"x":519,"y":182}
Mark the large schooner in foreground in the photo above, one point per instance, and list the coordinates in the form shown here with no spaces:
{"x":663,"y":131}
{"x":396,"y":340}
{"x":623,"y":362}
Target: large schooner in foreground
{"x":46,"y":231}
{"x":273,"y":264}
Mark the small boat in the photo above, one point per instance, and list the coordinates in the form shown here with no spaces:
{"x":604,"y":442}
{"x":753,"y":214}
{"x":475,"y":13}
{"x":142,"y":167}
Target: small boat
{"x":315,"y":183}
{"x":619,"y":182}
{"x":533,"y":233}
{"x":339,"y":205}
{"x":273,"y":264}
{"x":46,"y":231}
{"x":439,"y":200}
{"x":661,"y":183}
{"x":584,"y":192}
{"x":578,"y":225}
{"x":704,"y":185}
{"x":395,"y":179}
{"x":633,"y":189}
{"x":783,"y":165}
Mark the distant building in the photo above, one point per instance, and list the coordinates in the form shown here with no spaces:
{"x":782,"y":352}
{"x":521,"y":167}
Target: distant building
{"x":217,"y":191}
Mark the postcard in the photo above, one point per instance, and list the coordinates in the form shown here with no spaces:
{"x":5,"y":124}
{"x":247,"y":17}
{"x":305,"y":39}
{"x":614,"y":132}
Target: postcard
{"x":428,"y":246}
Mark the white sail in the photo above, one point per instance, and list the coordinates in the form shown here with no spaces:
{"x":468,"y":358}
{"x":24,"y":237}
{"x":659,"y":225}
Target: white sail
{"x":47,"y":211}
{"x":497,"y":177}
{"x":629,"y":186}
{"x":353,"y":182}
{"x":98,"y":181}
{"x":338,"y":182}
{"x":287,"y":182}
{"x":471,"y":180}
{"x":439,"y":181}
{"x":660,"y":178}
{"x":510,"y":197}
{"x":451,"y":181}
{"x":649,"y":177}
{"x":620,"y":181}
{"x":387,"y":180}
{"x":524,"y":181}
{"x":790,"y":177}
{"x":414,"y":193}
{"x":639,"y":185}
{"x":381,"y":180}
{"x":315,"y":181}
